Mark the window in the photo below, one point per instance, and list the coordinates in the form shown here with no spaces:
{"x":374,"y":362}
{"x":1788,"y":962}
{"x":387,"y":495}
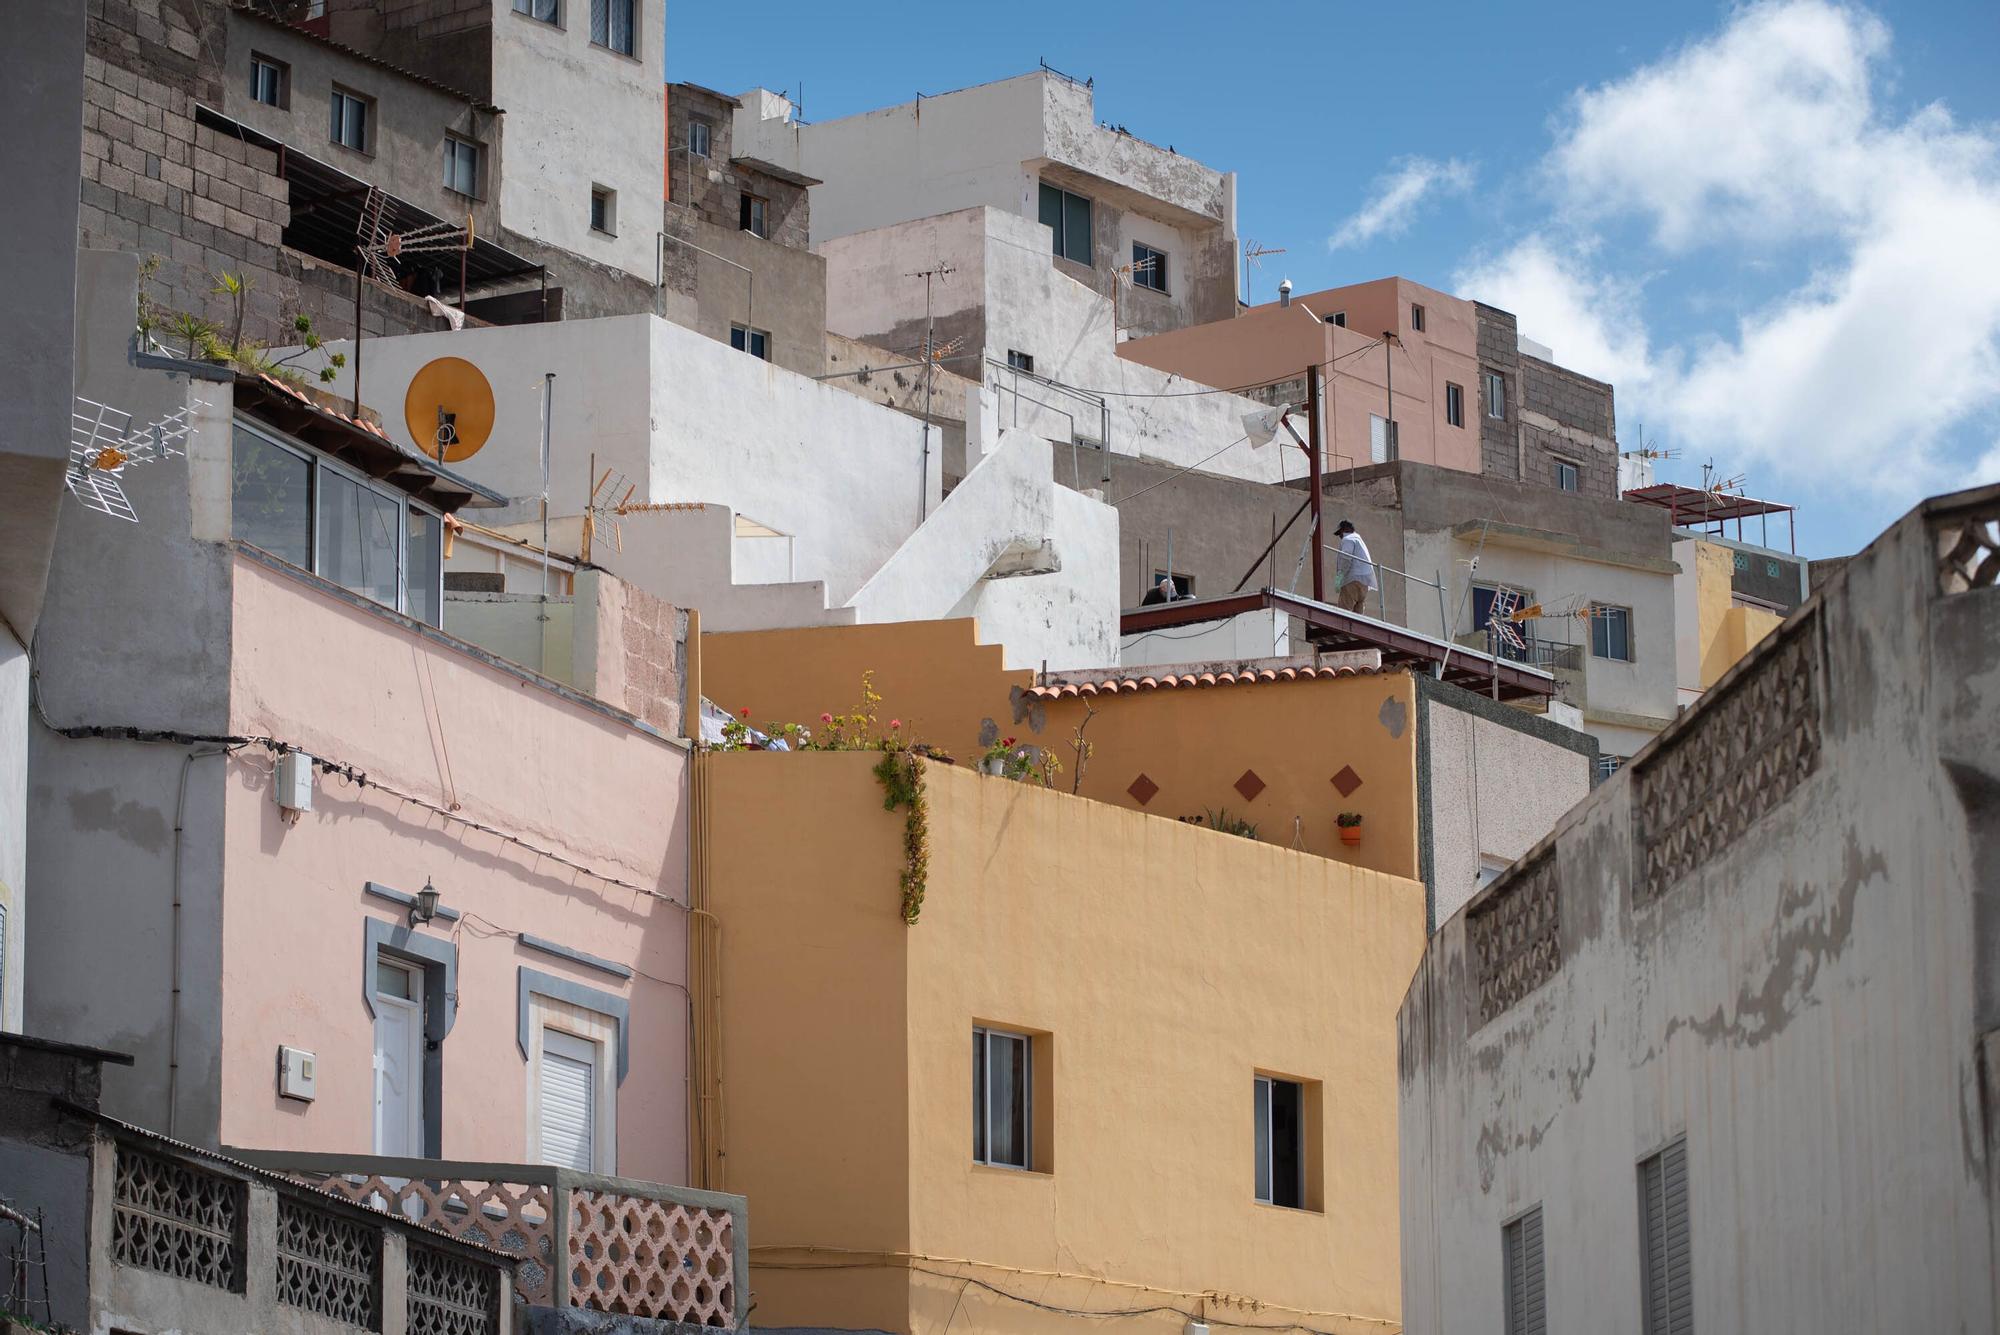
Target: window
{"x":461,"y":165}
{"x":1067,"y":216}
{"x":1490,"y":869}
{"x":1002,"y":1098}
{"x":548,"y":11}
{"x":399,"y":1058}
{"x":698,"y":135}
{"x":1416,"y":317}
{"x":1566,"y":475}
{"x":1665,"y":1255}
{"x":1454,"y":404}
{"x":1340,"y":319}
{"x":566,"y":1099}
{"x":1021,"y":361}
{"x":1611,"y":633}
{"x":1608,"y":766}
{"x":1183,"y":584}
{"x":1280,"y":1110}
{"x":1496,"y":395}
{"x":1383,"y":444}
{"x":752,"y":211}
{"x":1526,"y":1300}
{"x":1483,"y":596}
{"x":612,"y":23}
{"x":349,"y":123}
{"x":318,"y":516}
{"x":1149,"y":267}
{"x":756,"y":342}
{"x":603,"y":210}
{"x":268,"y":81}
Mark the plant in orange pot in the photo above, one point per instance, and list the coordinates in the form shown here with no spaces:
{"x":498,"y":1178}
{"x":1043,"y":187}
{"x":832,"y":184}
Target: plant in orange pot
{"x":1350,"y":827}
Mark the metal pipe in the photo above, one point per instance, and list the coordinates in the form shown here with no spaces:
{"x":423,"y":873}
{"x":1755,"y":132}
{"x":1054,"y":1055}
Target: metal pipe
{"x":1312,"y":455}
{"x":749,"y":274}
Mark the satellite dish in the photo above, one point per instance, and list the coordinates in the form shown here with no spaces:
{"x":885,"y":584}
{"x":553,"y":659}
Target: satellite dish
{"x":449,"y":409}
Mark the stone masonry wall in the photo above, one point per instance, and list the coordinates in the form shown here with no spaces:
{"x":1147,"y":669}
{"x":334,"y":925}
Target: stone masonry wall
{"x":1570,"y":417}
{"x":156,"y":184}
{"x":1499,"y":350}
{"x":713,"y":187}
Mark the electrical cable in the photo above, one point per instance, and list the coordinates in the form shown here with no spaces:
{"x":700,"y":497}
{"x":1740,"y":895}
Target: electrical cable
{"x":1180,"y":471}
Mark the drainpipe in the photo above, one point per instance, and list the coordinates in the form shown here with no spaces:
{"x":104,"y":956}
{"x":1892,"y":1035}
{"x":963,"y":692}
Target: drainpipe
{"x":174,"y":996}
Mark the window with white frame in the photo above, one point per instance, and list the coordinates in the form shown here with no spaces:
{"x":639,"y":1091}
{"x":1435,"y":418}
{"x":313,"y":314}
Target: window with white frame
{"x":613,"y":25}
{"x":1068,"y":218}
{"x":1021,"y":361}
{"x":1338,"y":319}
{"x":318,"y":515}
{"x":348,"y":125}
{"x":1496,"y":395}
{"x":1611,"y":632}
{"x":756,"y":342}
{"x":1382,"y":440}
{"x":1002,"y":1097}
{"x":1416,"y":317}
{"x":1280,"y":1136}
{"x":547,"y":11}
{"x":1454,"y":404}
{"x":698,"y":137}
{"x":269,"y":81}
{"x":753,"y":214}
{"x":1568,"y":475}
{"x":461,"y":165}
{"x":572,"y":1087}
{"x":1149,"y":267}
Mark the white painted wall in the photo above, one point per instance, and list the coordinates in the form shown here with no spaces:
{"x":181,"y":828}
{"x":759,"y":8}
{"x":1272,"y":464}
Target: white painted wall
{"x":687,"y":419}
{"x":1008,"y":294}
{"x":1643,"y":688}
{"x":1009,"y":503}
{"x":1265,"y":633}
{"x":580,"y":115}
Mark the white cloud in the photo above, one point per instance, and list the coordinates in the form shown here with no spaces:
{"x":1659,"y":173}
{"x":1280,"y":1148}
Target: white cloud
{"x":1762,"y":140}
{"x":1398,"y":195}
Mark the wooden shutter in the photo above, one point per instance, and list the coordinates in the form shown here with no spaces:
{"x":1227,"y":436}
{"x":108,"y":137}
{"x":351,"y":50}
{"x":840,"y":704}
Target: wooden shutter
{"x":1666,"y":1243}
{"x":1527,"y":1301}
{"x":567,"y":1097}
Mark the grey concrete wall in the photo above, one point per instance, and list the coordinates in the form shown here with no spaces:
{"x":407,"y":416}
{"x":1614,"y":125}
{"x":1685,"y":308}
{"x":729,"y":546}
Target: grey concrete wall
{"x":405,"y":155}
{"x":784,"y":293}
{"x":1806,"y":999}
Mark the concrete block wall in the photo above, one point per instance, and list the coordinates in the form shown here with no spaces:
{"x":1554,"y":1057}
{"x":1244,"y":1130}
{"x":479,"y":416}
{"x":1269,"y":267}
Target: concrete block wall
{"x":713,"y":186}
{"x":1582,"y":408}
{"x":1499,"y":350}
{"x":155,"y":183}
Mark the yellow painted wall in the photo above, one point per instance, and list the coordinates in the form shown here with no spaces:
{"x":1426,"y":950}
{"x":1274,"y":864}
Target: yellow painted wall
{"x":1195,"y":743}
{"x":933,"y":675}
{"x":1167,"y":964}
{"x":1726,"y":631}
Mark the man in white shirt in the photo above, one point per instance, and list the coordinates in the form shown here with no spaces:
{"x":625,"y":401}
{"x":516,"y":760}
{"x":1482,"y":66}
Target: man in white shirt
{"x":1353,"y":569}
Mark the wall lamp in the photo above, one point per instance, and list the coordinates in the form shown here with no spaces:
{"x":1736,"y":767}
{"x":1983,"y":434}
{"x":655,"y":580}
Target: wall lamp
{"x":426,"y":905}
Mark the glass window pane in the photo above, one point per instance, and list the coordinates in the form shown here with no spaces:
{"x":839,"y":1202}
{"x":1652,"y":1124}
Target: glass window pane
{"x":1052,"y":215}
{"x":1261,"y":1107}
{"x":600,"y":22}
{"x":424,"y":568}
{"x":392,"y":980}
{"x":979,"y":1095}
{"x":621,"y":26}
{"x":1076,"y":228}
{"x":357,"y":536}
{"x":1287,"y":1143}
{"x":1008,"y":1081}
{"x":271,"y":499}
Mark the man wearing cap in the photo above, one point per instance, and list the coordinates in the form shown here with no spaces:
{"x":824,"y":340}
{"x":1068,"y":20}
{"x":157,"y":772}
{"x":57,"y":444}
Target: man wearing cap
{"x":1353,"y":569}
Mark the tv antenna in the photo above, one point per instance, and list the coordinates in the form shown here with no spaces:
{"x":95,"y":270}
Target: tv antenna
{"x":1253,"y":258}
{"x":377,"y":248}
{"x":102,"y":445}
{"x":611,"y":501}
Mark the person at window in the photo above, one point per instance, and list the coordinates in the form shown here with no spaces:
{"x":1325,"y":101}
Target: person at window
{"x":1353,"y":569}
{"x":1163,"y":592}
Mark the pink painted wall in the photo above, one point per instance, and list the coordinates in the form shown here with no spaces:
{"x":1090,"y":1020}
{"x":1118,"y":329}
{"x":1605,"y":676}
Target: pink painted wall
{"x":362,"y":689}
{"x":1269,"y":342}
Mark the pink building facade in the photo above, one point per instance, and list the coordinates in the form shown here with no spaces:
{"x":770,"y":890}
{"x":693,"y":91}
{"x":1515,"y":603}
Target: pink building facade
{"x":252,"y":757}
{"x":1430,"y":362}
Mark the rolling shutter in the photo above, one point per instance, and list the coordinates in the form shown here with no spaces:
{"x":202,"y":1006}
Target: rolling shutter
{"x":1666,"y":1245}
{"x":567,"y":1100}
{"x":1527,"y":1303}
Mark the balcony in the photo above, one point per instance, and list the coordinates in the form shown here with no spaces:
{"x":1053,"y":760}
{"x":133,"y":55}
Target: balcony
{"x":602,"y":1244}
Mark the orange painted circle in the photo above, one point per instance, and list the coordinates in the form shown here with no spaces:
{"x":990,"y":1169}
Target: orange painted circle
{"x":454,"y":386}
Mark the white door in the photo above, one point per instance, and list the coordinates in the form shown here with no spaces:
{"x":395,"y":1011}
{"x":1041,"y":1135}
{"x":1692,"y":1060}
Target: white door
{"x":399,"y":1060}
{"x":567,"y":1101}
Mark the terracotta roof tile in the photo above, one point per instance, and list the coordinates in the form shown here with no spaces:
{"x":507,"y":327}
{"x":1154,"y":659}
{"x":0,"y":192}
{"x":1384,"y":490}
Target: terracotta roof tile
{"x":1073,"y":690}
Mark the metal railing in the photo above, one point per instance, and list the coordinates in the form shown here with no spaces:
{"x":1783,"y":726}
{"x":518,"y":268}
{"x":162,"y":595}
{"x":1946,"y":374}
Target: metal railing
{"x":607,"y":1244}
{"x":1089,"y":401}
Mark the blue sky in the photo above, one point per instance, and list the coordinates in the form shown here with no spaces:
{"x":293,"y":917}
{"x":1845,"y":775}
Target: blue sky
{"x":1775,"y":227}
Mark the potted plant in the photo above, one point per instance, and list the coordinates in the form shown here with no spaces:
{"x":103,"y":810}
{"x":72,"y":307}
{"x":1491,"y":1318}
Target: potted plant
{"x":996,"y":758}
{"x":1350,"y":827}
